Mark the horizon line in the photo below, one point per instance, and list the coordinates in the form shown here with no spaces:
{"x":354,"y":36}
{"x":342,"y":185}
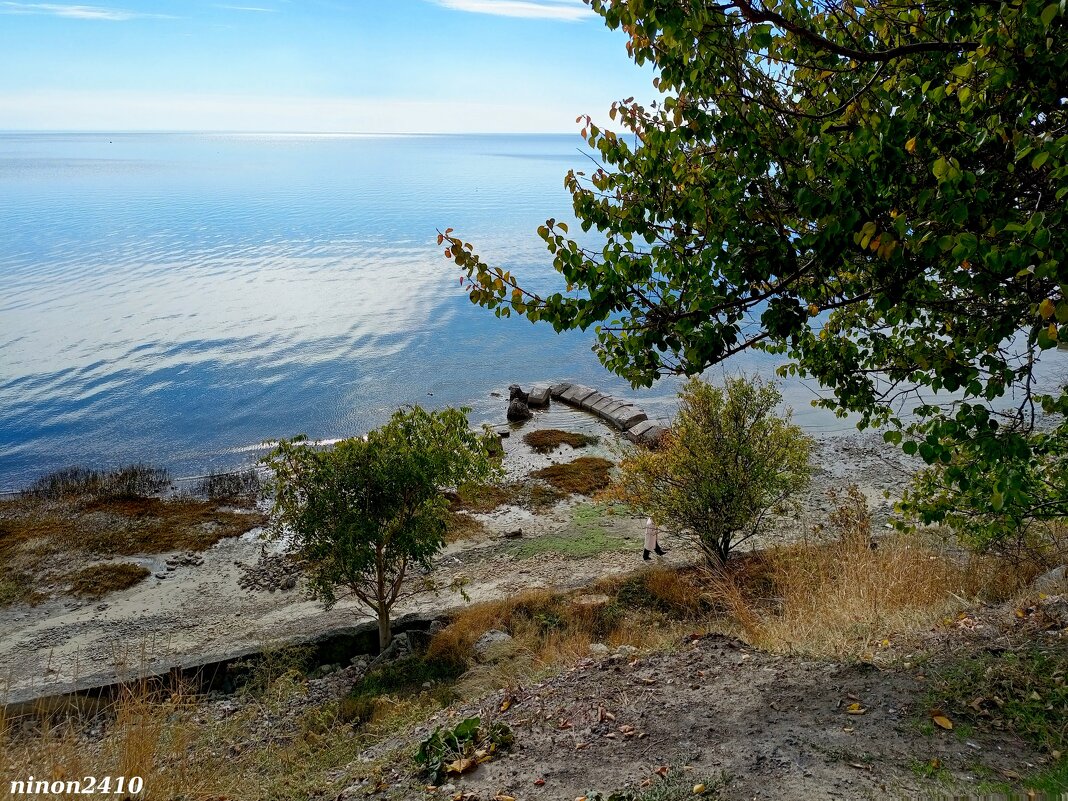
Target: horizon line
{"x":231,"y":132}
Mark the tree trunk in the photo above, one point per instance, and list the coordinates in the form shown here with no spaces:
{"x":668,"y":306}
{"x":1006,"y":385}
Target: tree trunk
{"x":385,"y":635}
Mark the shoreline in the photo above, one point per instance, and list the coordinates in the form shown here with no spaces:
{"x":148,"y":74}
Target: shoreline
{"x":198,"y":615}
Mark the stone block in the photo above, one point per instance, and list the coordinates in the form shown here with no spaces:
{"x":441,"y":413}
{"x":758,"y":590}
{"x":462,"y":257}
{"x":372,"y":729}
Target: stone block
{"x":538,"y":398}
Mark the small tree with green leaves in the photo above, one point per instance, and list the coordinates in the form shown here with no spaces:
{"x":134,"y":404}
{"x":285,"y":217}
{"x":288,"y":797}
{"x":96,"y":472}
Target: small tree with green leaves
{"x":727,"y":461}
{"x":366,"y":512}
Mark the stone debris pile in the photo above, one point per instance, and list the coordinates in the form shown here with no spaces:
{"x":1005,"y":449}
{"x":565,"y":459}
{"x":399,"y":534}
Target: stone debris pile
{"x":272,"y":572}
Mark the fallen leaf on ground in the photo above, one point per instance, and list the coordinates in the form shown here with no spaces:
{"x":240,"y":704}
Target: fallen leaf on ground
{"x":698,"y":789}
{"x":942,"y":722}
{"x":662,"y":770}
{"x":539,"y":782}
{"x":855,"y":709}
{"x":461,"y":766}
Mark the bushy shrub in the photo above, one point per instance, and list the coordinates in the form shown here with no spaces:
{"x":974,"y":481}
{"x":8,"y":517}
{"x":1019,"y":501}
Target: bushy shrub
{"x":727,"y":461}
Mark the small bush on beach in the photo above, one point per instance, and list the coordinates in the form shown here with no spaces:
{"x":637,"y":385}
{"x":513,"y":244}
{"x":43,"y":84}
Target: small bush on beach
{"x":583,"y":476}
{"x":726,"y":463}
{"x":96,"y":581}
{"x":547,"y":440}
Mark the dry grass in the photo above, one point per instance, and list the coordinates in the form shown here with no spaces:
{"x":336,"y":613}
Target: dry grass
{"x":482,"y":498}
{"x":262,"y":752}
{"x":848,"y":596}
{"x":148,"y":735}
{"x":462,"y":526}
{"x":583,"y":476}
{"x":547,"y":440}
{"x":96,"y":581}
{"x":553,"y":630}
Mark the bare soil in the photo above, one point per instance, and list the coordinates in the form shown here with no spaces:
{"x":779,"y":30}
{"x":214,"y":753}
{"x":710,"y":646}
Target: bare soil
{"x":755,"y":725}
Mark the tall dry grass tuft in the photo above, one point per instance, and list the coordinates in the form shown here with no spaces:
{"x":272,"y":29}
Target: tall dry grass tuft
{"x":842,"y":596}
{"x":553,"y":630}
{"x":145,"y":732}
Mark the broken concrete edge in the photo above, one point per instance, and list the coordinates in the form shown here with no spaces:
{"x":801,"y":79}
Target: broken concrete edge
{"x":199,"y":669}
{"x":629,"y":418}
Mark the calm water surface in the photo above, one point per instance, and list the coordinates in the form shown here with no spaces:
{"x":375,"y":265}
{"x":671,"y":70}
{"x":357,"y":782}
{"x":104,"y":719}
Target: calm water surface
{"x":182,"y":298}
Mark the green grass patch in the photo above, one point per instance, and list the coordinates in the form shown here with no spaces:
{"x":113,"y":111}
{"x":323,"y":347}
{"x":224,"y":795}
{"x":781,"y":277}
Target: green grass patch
{"x":1052,"y":781}
{"x":1025,"y":692}
{"x":96,"y":581}
{"x":586,"y":536}
{"x":583,"y":476}
{"x":578,"y":547}
{"x":549,"y":439}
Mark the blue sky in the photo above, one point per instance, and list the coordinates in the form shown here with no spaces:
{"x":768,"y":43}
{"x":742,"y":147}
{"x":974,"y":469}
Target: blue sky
{"x":310,"y":65}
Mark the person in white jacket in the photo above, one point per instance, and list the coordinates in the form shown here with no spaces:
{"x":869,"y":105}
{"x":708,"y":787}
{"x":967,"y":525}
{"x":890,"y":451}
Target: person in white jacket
{"x":652,"y":539}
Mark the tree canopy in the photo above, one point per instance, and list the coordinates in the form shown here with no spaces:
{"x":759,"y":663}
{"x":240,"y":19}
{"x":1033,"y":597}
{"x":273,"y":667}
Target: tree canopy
{"x":875,"y":190}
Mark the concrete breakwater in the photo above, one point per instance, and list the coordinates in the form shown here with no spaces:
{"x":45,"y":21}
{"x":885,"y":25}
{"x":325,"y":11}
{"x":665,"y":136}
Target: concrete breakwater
{"x":623,"y":415}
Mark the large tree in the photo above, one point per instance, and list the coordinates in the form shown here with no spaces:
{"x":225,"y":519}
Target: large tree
{"x":874,"y":189}
{"x":368,"y":510}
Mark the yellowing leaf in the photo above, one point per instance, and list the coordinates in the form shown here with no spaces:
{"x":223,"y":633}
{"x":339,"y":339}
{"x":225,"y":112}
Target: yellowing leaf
{"x":942,"y":722}
{"x":1046,"y":308}
{"x":910,"y":145}
{"x":698,"y":789}
{"x":461,"y":766}
{"x":855,"y":709}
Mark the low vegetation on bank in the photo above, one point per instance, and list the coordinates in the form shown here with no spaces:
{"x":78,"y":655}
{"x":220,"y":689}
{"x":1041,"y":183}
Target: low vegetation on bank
{"x":74,"y":516}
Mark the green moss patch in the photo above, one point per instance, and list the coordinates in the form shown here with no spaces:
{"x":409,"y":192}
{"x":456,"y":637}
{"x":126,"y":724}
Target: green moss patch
{"x":583,"y":476}
{"x":549,"y":439}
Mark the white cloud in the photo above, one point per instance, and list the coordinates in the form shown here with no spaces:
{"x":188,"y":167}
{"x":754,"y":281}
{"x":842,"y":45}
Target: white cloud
{"x":74,"y":11}
{"x":567,"y":10}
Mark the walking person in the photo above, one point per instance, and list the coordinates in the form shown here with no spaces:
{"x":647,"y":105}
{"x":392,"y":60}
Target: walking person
{"x":652,"y":539}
